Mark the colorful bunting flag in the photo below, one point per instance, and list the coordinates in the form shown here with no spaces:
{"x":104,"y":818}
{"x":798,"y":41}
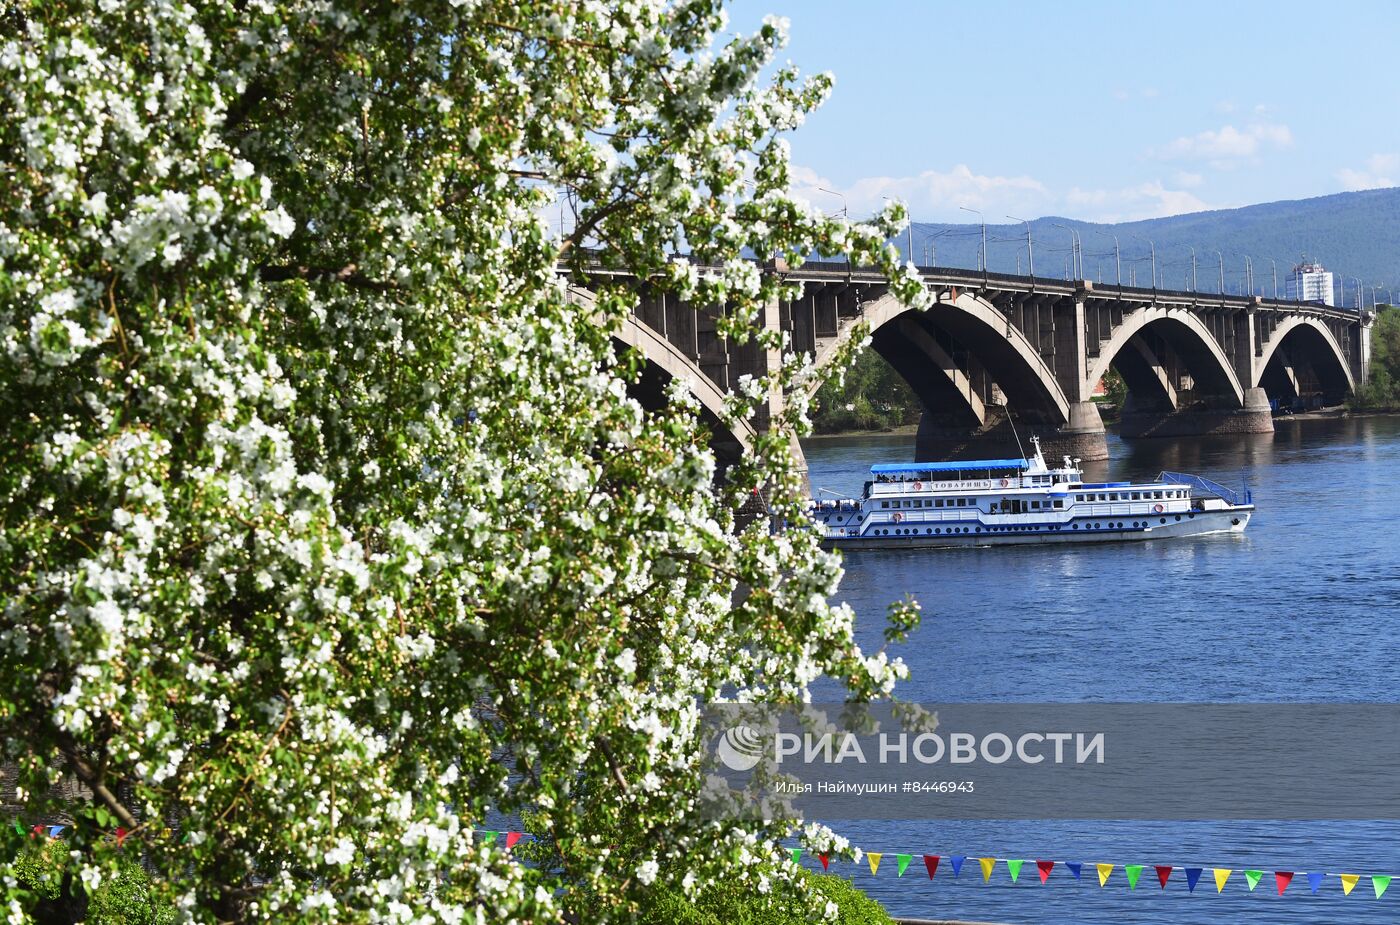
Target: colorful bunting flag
{"x":1281,"y":879}
{"x":54,"y":830}
{"x":987,"y":865}
{"x":873,"y":859}
{"x":1133,"y":871}
{"x":488,"y":837}
{"x":1221,"y":875}
{"x":121,"y":836}
{"x":1252,"y":878}
{"x":1193,"y":876}
{"x":1379,"y":884}
{"x":1074,"y":867}
{"x":1164,"y":872}
{"x":931,"y":862}
{"x":1348,"y":882}
{"x":1044,"y":868}
{"x":1315,"y":880}
{"x":903,"y":860}
{"x":796,"y":855}
{"x":825,"y":859}
{"x":1104,"y":871}
{"x":1014,"y":867}
{"x":511,"y":839}
{"x":957,"y":862}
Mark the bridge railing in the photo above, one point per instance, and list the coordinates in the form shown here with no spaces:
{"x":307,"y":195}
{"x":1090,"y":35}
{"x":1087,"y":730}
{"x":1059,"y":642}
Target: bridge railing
{"x":1206,"y":486}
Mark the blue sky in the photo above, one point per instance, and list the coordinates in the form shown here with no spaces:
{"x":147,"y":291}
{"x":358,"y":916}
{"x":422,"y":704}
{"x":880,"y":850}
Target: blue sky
{"x":1093,"y":110}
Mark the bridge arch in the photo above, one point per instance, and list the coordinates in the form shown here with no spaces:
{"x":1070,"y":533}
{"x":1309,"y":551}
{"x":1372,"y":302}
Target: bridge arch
{"x":665,"y":363}
{"x":910,"y":345}
{"x":1203,"y":356}
{"x":1310,"y":340}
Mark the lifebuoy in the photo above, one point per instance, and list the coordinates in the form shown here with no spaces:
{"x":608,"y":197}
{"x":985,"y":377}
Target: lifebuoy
{"x":1005,"y":482}
{"x":898,"y":517}
{"x":918,"y":486}
{"x":1158,"y":508}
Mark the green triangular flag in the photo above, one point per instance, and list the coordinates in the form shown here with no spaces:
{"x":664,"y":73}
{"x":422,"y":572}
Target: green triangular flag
{"x":796,"y":855}
{"x":903,"y":863}
{"x":1252,"y":876}
{"x":1380,"y":883}
{"x":17,"y":828}
{"x":489,"y":838}
{"x":1133,"y":871}
{"x":1015,"y":867}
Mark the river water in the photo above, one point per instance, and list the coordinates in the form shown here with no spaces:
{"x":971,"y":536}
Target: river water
{"x":1305,"y":606}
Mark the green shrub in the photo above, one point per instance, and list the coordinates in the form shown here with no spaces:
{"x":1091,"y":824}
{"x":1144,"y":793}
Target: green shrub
{"x":736,"y":904}
{"x":126,"y":899}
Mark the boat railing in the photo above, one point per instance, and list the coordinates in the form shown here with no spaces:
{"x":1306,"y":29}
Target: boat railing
{"x":1206,"y":486}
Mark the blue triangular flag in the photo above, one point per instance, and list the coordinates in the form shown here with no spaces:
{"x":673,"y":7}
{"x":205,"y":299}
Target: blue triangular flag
{"x":1315,"y":881}
{"x":55,"y":829}
{"x":1192,"y":875}
{"x":956,"y":860}
{"x":1074,"y":867}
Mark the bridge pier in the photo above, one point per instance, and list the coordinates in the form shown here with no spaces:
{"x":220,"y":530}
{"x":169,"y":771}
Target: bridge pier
{"x":1083,"y":437}
{"x":1198,"y":420}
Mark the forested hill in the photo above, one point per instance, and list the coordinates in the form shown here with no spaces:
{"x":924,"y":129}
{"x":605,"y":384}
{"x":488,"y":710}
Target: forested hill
{"x":1351,"y":234}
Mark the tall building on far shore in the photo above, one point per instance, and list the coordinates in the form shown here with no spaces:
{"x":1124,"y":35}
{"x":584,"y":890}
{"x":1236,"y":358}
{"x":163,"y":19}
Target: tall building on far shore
{"x":1310,"y":283}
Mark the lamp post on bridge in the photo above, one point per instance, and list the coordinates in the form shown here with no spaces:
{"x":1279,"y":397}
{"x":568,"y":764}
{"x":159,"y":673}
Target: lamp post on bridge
{"x":1117,"y":260}
{"x":1222,"y":271}
{"x":983,"y":220}
{"x":1273,"y":264}
{"x":1076,"y":253}
{"x":845,"y":216}
{"x":1359,"y":295}
{"x":1193,"y":264}
{"x":1030,"y":248}
{"x":1154,"y":261}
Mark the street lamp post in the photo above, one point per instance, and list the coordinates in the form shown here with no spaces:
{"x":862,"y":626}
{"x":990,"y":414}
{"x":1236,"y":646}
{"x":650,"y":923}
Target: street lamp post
{"x":1117,"y":260}
{"x":1193,"y":264}
{"x":845,"y":216}
{"x":1359,"y":306}
{"x":1222,"y":271}
{"x":1030,"y":248}
{"x":983,"y":219}
{"x":1076,"y":252}
{"x":1273,"y":265}
{"x":1154,"y":260}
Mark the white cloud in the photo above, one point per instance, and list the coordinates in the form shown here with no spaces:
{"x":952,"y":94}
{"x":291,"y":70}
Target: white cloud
{"x":930,"y":193}
{"x":1227,"y":143}
{"x":938,"y":196}
{"x":1379,"y":172}
{"x":1132,"y":203}
{"x":1187,"y":179}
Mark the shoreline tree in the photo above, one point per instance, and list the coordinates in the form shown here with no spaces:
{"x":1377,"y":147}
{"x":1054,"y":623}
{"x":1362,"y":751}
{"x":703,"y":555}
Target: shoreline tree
{"x":329,"y":528}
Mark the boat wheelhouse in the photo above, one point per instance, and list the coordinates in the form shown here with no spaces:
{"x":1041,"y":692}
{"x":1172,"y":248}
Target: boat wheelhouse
{"x":988,"y":502}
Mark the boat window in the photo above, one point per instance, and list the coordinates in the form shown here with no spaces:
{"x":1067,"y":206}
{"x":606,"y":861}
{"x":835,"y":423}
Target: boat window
{"x":938,"y":502}
{"x":1059,"y":505}
{"x":1157,"y":495}
{"x":1035,"y":504}
{"x":1137,"y":496}
{"x":884,"y":504}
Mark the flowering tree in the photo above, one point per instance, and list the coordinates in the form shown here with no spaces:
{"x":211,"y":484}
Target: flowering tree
{"x":329,"y":528}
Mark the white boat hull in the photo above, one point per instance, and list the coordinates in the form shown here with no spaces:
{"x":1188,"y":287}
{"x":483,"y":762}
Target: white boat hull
{"x":1078,"y":530}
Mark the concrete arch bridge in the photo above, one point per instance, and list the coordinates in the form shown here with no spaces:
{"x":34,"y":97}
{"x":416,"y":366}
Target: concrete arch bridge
{"x":996,"y":348}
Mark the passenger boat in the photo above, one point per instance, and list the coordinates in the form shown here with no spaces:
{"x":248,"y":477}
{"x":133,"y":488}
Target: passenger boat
{"x":994,"y":502}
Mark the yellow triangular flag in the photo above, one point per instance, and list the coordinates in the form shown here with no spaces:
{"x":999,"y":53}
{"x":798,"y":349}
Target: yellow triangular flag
{"x":1221,"y":875}
{"x":987,"y":865}
{"x":874,"y":858}
{"x":1348,"y":882}
{"x":1104,"y":871}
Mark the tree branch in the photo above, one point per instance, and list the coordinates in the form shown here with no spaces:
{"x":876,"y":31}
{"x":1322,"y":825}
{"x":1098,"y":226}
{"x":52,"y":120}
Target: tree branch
{"x":94,"y":780}
{"x":348,"y":275}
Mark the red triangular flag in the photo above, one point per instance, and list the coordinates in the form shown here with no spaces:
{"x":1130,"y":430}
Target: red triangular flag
{"x":1044,"y":867}
{"x":1282,"y":878}
{"x":1163,"y":872}
{"x":37,"y":830}
{"x":931,"y":862}
{"x":825,"y":859}
{"x":121,"y":836}
{"x":511,"y":839}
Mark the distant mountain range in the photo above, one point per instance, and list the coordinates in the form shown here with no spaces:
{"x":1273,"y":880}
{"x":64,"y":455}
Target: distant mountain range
{"x":1351,"y":234}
